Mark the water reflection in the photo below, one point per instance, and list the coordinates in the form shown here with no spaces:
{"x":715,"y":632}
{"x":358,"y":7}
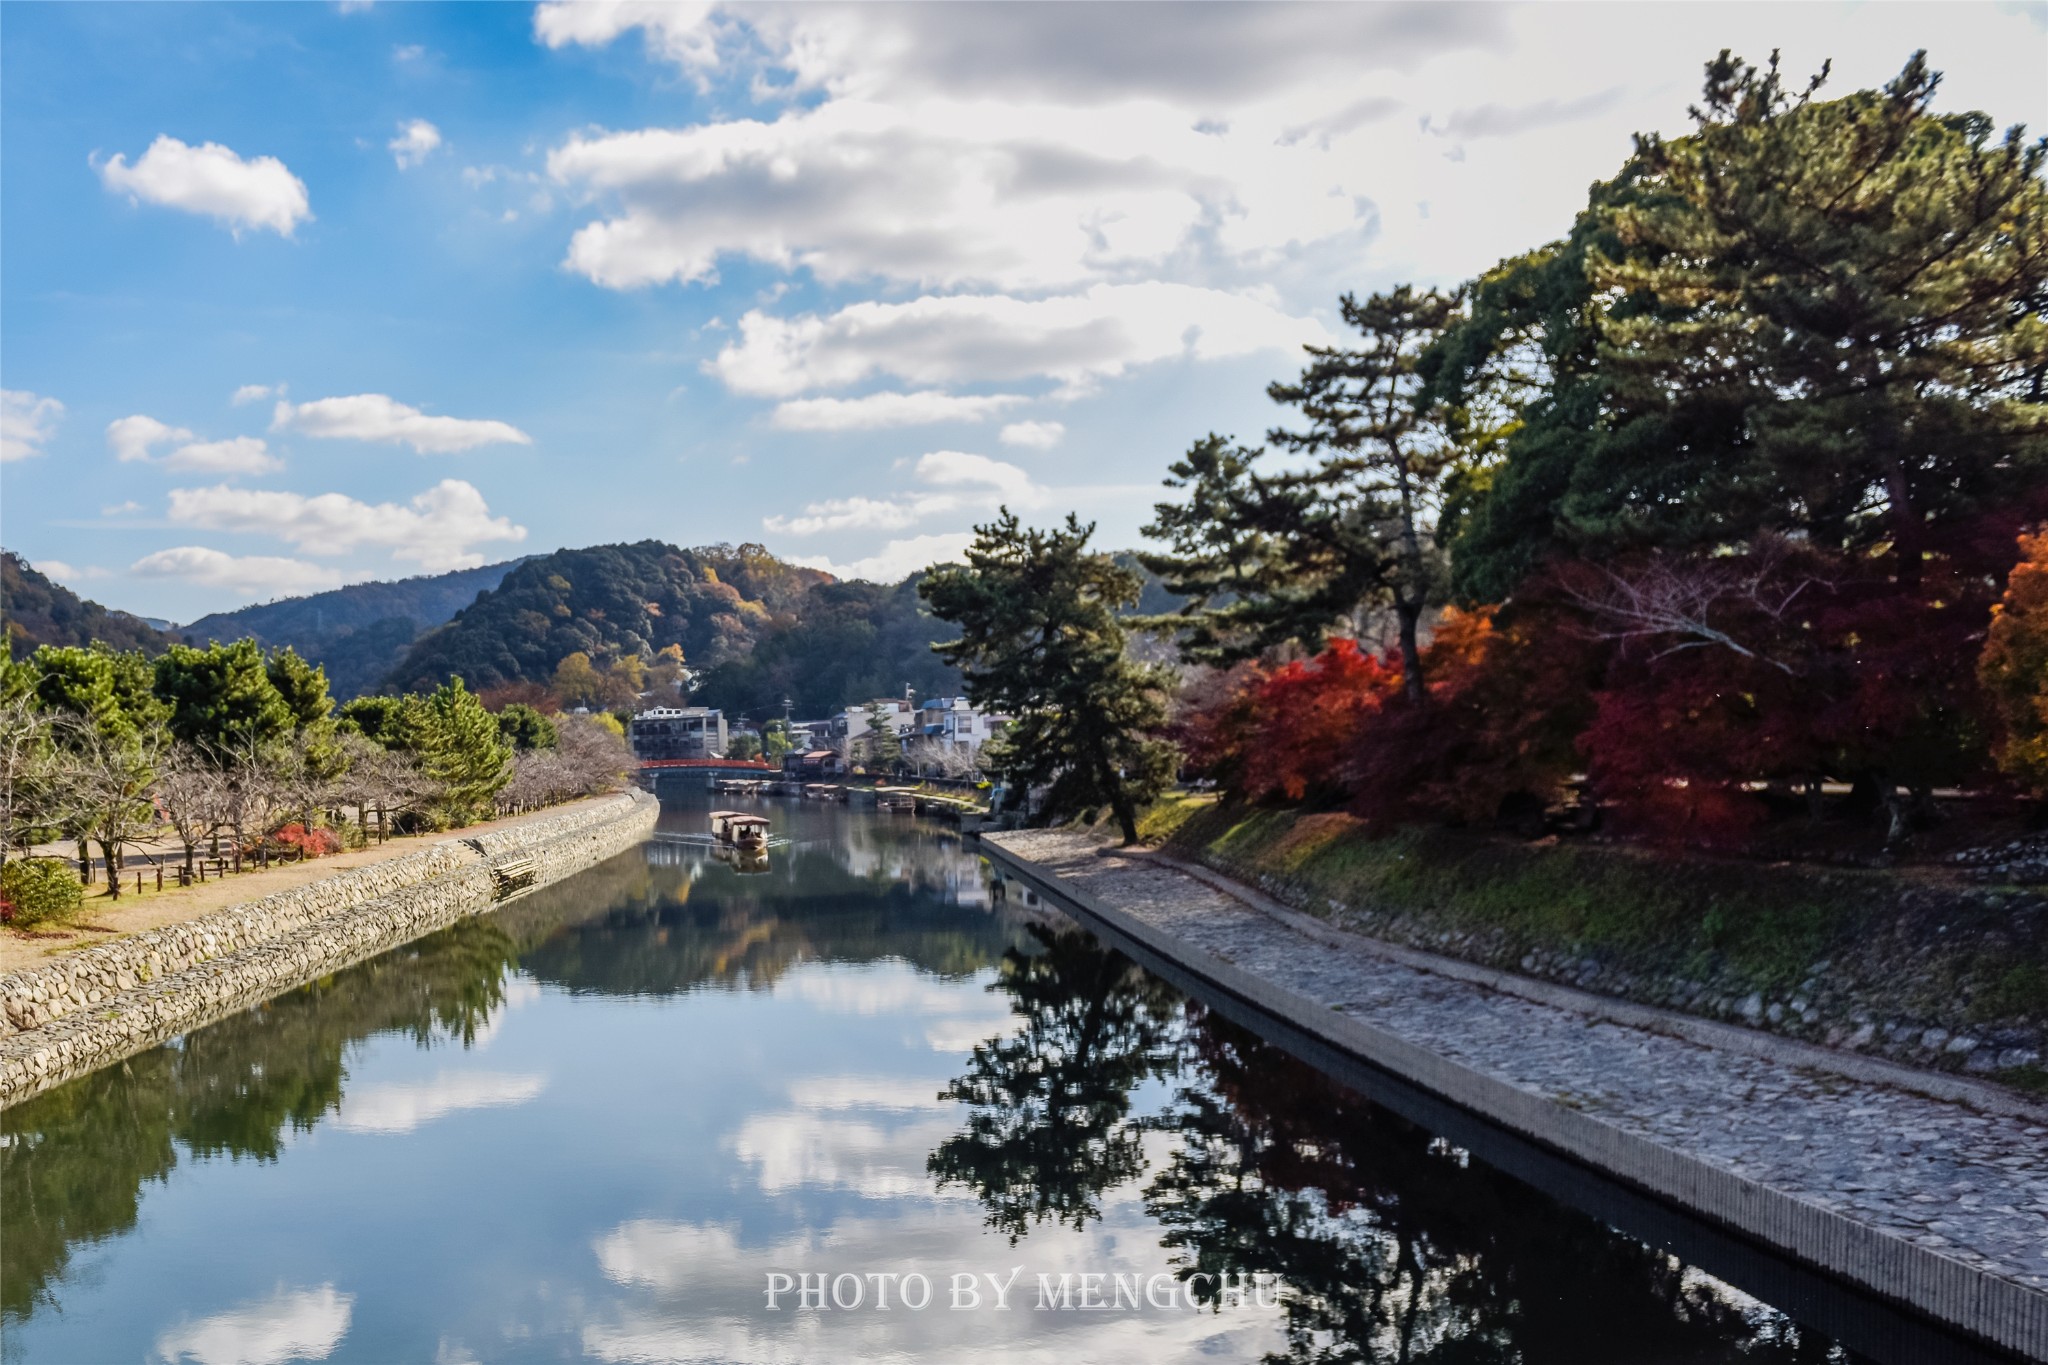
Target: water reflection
{"x":593,"y":1122}
{"x":1393,"y":1245}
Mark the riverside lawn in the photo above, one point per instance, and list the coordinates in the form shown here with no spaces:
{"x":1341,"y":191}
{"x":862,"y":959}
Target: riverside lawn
{"x":1072,"y":1291}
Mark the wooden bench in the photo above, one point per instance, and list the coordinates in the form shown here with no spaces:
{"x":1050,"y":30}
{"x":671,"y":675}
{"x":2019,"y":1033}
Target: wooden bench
{"x":513,"y":874}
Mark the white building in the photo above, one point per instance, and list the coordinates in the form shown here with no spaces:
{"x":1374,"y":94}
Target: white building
{"x":852,"y":723}
{"x":955,"y":724}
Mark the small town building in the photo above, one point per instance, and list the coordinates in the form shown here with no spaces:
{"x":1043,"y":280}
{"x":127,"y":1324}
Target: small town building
{"x":678,"y":732}
{"x":955,"y":724}
{"x":813,"y":765}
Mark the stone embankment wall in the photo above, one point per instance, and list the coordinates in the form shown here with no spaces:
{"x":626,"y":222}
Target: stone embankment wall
{"x":1937,"y":974}
{"x":89,"y":1008}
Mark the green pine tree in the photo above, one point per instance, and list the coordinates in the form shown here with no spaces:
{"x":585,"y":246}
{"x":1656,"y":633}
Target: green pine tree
{"x":1040,"y":640}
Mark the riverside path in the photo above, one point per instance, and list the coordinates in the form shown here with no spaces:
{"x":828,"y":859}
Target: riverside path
{"x":1938,"y":1203}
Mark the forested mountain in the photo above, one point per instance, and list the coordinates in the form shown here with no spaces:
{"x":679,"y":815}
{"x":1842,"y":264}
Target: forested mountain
{"x":36,"y":611}
{"x":846,"y":643}
{"x":359,"y":633}
{"x":755,"y":629}
{"x":609,"y":601}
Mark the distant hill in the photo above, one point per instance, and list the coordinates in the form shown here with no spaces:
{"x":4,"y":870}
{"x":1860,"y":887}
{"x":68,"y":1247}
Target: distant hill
{"x":358,"y":633}
{"x":34,"y":611}
{"x":755,"y":628}
{"x":607,"y":601}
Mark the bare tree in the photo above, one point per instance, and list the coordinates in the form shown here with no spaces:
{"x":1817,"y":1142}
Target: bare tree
{"x":110,"y":776}
{"x":1696,"y":603}
{"x":251,"y":794}
{"x":26,"y":771}
{"x":190,"y":790}
{"x":308,"y":772}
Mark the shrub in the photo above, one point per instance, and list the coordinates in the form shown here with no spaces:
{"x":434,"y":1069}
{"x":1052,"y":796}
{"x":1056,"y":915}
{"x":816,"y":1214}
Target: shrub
{"x":38,"y":891}
{"x":296,"y":841}
{"x":2014,"y":667}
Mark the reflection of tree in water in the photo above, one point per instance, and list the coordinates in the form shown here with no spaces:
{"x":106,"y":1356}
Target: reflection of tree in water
{"x":1050,"y":1126}
{"x":76,"y":1157}
{"x":1390,"y":1244}
{"x":672,"y":925}
{"x":1394,"y":1246}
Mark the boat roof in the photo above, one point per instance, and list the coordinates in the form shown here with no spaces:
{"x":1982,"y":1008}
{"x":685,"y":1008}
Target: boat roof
{"x":737,"y":819}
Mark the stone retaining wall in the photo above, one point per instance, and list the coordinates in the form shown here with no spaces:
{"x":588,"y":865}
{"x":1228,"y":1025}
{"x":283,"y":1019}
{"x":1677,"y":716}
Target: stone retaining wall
{"x":100,"y":1004}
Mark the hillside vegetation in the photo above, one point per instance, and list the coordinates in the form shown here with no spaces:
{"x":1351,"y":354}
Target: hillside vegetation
{"x":359,"y":633}
{"x":36,"y":612}
{"x":755,"y":628}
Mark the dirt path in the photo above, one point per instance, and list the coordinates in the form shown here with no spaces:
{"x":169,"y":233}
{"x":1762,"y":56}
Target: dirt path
{"x":101,"y":918}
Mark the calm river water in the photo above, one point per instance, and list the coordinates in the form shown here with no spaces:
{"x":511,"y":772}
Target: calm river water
{"x":605,"y":1121}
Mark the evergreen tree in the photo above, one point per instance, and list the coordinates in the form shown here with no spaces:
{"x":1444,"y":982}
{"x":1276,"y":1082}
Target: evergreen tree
{"x":879,"y":739}
{"x":303,"y":687}
{"x":1816,"y":318}
{"x":1288,"y":555}
{"x":221,"y":697}
{"x":459,"y":748}
{"x":525,"y":728}
{"x":375,"y":718}
{"x":1041,"y":641}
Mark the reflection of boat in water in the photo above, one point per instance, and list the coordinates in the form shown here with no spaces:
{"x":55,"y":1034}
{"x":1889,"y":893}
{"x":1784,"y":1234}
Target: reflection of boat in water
{"x":745,"y":861}
{"x":737,"y":829}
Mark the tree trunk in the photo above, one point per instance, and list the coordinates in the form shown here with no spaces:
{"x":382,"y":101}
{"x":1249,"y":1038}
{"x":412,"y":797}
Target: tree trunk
{"x":84,"y":861}
{"x":112,"y":856}
{"x":1410,"y":616}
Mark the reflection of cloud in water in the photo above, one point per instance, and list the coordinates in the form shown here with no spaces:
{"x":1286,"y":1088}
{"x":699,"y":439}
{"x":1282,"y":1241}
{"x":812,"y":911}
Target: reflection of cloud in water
{"x":303,"y":1324}
{"x":964,"y":1035}
{"x":868,"y":1134}
{"x":701,"y":1296}
{"x":400,"y":1107}
{"x":878,"y":988}
{"x":864,"y":1092}
{"x":519,"y":989}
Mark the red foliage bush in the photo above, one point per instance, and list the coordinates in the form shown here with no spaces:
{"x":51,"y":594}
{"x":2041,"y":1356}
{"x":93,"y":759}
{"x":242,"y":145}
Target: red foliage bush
{"x":1306,"y":717}
{"x":296,"y":840}
{"x":1504,"y":703}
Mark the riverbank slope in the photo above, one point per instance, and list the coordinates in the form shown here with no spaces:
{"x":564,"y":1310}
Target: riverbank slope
{"x":1935,"y":1203}
{"x":1921,"y":966}
{"x":86,"y":1009}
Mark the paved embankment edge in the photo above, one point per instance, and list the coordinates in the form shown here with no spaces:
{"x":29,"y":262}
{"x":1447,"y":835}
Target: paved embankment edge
{"x":1985,"y":1306}
{"x":99,"y":1005}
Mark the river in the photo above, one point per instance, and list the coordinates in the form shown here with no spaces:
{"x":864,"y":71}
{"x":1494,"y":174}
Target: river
{"x":617,"y":1118}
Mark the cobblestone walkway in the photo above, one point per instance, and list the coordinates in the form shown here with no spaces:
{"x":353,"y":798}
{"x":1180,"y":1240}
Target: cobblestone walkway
{"x":1972,"y":1185}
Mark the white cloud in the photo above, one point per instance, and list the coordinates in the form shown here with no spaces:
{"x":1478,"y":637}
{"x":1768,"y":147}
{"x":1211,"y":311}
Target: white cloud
{"x":121,"y":509}
{"x":304,"y":1324}
{"x":1042,"y":147}
{"x":416,"y":140}
{"x":266,"y":574}
{"x":212,"y":180}
{"x":134,"y":439}
{"x":438,"y":530}
{"x":676,"y":29}
{"x":1097,"y":54}
{"x":955,"y":480}
{"x":237,"y":455}
{"x":62,"y":572}
{"x":254,"y":393}
{"x":1034,"y":435}
{"x":896,"y":560}
{"x":27,"y":421}
{"x":377,"y":417}
{"x":875,"y":411}
{"x":1075,"y":338}
{"x":401,"y":1107}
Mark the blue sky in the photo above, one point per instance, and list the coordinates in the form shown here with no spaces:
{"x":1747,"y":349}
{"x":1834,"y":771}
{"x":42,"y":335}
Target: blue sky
{"x":836,"y":279}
